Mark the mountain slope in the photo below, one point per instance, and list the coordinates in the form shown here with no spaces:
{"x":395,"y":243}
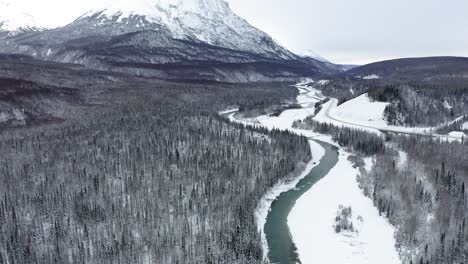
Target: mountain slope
{"x":208,"y":21}
{"x":190,"y":39}
{"x":12,"y":18}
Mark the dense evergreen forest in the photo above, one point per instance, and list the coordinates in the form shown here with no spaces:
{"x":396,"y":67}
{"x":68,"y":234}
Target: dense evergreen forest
{"x":353,"y":139}
{"x":421,"y":189}
{"x":150,"y":175}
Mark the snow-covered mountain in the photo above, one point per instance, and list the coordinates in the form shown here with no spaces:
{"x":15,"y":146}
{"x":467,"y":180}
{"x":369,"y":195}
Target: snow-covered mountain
{"x":311,"y":54}
{"x":207,"y":21}
{"x":12,"y":18}
{"x":188,"y":39}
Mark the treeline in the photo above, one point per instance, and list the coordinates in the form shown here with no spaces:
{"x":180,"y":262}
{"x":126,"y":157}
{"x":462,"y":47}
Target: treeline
{"x":414,"y":104}
{"x":156,"y":177}
{"x":353,"y":139}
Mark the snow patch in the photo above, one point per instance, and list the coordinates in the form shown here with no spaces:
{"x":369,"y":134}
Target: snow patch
{"x":402,"y":159}
{"x":227,"y":111}
{"x":3,"y":117}
{"x":465,"y":126}
{"x":311,"y":54}
{"x":371,"y":77}
{"x":447,"y":105}
{"x":323,"y":82}
{"x":456,"y":136}
{"x":19,"y":114}
{"x":368,"y":163}
{"x":305,"y":82}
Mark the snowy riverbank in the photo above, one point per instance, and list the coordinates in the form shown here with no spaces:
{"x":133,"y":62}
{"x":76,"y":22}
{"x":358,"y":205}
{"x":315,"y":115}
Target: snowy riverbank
{"x":312,"y":219}
{"x":265,"y":204}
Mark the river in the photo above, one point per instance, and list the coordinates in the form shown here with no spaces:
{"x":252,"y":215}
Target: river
{"x":311,"y":213}
{"x":281,"y":246}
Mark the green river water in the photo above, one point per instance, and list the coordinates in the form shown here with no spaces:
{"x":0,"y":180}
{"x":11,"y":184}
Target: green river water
{"x":280,"y":244}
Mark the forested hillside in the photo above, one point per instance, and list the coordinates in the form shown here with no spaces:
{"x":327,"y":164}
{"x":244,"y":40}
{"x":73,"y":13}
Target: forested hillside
{"x":412,"y":103}
{"x":151,"y":174}
{"x":424,"y":195}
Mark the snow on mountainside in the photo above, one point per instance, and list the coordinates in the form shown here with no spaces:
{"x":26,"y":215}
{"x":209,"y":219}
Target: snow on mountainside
{"x":207,"y":21}
{"x":12,"y":18}
{"x":169,"y":39}
{"x":312,"y":54}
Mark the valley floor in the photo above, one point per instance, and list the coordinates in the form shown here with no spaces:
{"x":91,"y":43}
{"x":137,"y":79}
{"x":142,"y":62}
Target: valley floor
{"x":312,"y":220}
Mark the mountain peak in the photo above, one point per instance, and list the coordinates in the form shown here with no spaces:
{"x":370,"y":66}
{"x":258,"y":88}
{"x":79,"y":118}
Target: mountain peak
{"x":13,"y":19}
{"x":311,"y":54}
{"x":207,"y":21}
{"x":159,"y":10}
{"x":125,"y":9}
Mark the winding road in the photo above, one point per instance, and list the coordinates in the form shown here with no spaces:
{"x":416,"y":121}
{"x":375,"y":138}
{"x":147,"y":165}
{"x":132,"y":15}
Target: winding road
{"x":333,"y":103}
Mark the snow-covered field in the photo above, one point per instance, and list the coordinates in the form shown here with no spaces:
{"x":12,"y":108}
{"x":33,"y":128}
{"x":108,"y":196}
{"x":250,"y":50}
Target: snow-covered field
{"x":311,"y":220}
{"x":324,"y":117}
{"x":365,"y":114}
{"x":361,"y":110}
{"x":454,"y":135}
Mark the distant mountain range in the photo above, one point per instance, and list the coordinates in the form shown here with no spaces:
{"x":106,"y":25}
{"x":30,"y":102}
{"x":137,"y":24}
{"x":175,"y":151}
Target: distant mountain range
{"x":181,"y":39}
{"x":422,"y":69}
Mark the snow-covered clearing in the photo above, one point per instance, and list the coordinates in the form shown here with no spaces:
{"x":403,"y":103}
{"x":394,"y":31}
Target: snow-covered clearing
{"x":465,"y":126}
{"x":365,"y":114}
{"x":371,"y":77}
{"x":456,"y":136}
{"x":361,"y":110}
{"x":402,"y":159}
{"x":311,"y":220}
{"x":324,"y":117}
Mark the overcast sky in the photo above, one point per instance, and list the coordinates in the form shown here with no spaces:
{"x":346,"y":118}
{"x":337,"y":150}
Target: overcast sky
{"x":360,"y":31}
{"x":343,"y":31}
